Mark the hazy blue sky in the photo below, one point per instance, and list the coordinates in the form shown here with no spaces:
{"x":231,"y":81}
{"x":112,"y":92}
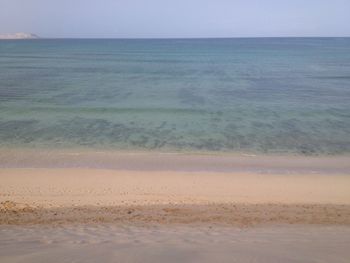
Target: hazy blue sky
{"x":176,"y":18}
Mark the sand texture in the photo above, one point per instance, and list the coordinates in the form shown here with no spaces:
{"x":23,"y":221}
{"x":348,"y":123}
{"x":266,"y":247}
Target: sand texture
{"x":195,"y":209}
{"x":30,"y":196}
{"x":110,"y":243}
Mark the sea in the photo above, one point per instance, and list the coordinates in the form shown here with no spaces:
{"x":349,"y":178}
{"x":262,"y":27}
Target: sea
{"x":238,"y":95}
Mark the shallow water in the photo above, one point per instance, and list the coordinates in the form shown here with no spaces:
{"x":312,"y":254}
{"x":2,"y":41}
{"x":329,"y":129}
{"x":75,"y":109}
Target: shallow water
{"x":277,"y":95}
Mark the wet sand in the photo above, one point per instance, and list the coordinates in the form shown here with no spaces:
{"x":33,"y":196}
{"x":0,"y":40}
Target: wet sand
{"x":110,"y":243}
{"x":155,"y":161}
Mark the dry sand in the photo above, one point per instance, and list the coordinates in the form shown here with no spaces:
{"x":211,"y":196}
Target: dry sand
{"x":84,"y":195}
{"x":282,"y":214}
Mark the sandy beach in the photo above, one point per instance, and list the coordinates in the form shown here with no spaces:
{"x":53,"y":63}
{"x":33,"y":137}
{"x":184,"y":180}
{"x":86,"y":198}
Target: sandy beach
{"x":174,"y":131}
{"x":53,"y":187}
{"x":30,"y":195}
{"x":260,"y":210}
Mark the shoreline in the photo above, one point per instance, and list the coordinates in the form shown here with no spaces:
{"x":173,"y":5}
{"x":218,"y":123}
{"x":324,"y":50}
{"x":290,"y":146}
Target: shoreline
{"x":170,"y":151}
{"x":173,"y":161}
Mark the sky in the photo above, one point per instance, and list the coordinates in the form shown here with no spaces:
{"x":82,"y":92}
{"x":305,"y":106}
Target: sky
{"x":175,"y":18}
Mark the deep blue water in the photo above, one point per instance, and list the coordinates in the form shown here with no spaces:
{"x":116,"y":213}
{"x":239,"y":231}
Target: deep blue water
{"x":273,"y":95}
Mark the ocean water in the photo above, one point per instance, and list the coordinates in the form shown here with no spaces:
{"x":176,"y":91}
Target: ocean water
{"x":265,"y":96}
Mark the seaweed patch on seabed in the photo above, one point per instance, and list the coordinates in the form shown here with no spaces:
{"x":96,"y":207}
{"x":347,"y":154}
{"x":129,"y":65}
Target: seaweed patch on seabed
{"x":18,"y":130}
{"x":88,"y":131}
{"x":189,"y":97}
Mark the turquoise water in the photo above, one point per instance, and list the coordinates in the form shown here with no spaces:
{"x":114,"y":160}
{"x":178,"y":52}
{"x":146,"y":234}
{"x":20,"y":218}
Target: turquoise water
{"x":273,"y":95}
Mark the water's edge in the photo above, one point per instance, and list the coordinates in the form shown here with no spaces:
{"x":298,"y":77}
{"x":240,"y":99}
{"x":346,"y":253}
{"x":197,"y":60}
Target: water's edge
{"x":172,"y":161}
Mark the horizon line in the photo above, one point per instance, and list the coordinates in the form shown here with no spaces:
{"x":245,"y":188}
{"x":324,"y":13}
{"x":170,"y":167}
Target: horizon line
{"x":169,"y":38}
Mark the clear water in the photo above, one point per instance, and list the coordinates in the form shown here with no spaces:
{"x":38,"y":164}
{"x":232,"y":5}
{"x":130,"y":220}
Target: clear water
{"x":277,"y":95}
